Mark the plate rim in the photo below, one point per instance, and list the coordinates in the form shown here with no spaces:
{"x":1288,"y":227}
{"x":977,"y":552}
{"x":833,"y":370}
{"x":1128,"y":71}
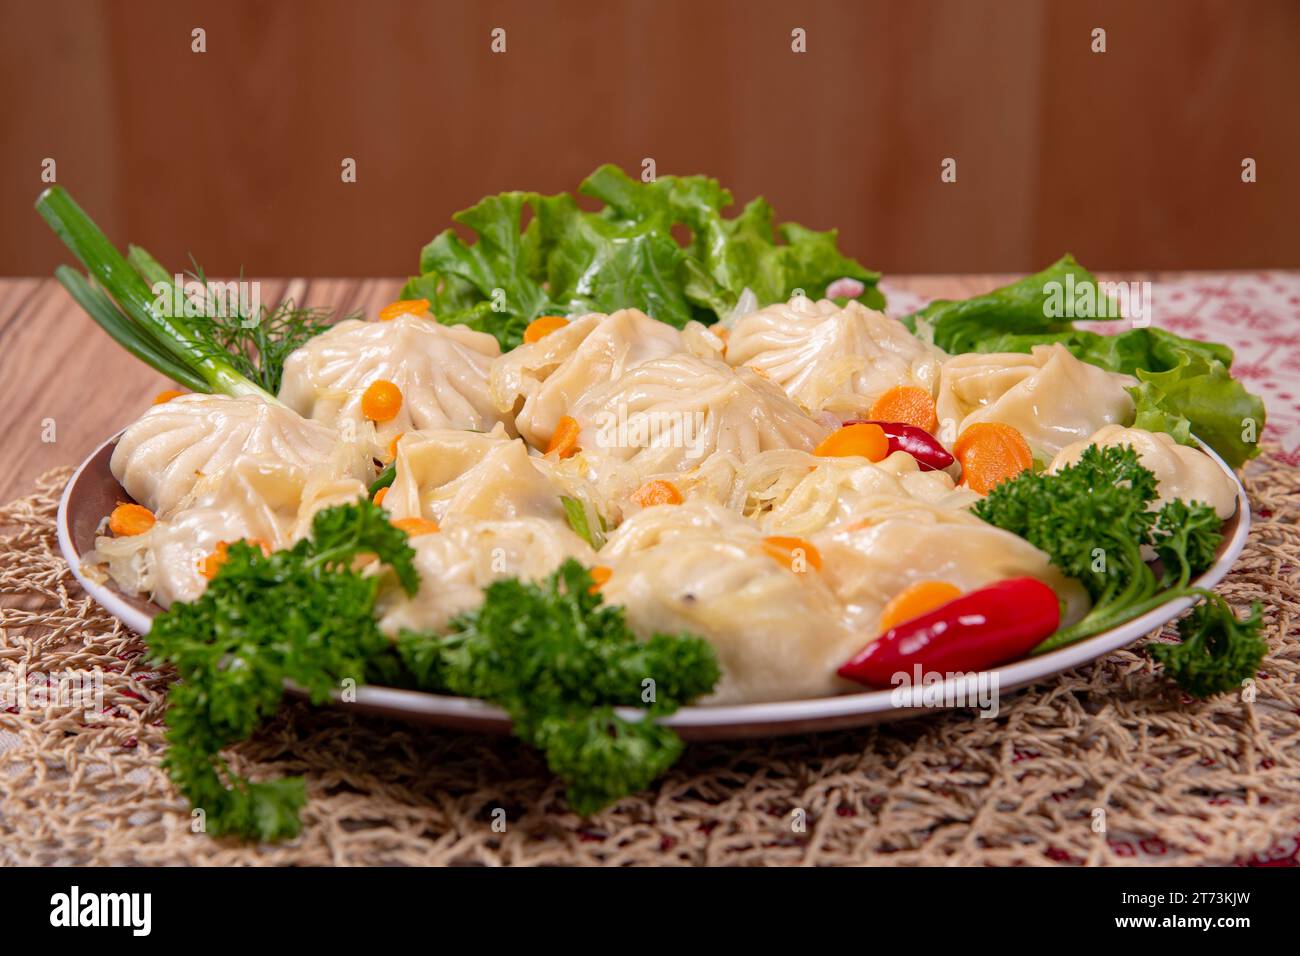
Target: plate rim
{"x":726,"y":720}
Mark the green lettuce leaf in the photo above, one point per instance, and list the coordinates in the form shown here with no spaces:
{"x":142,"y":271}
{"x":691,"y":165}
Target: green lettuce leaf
{"x":1198,"y":396}
{"x":1185,"y":387}
{"x":601,"y":264}
{"x":1147,"y":348}
{"x":564,"y":260}
{"x":1032,"y":306}
{"x":494,"y":284}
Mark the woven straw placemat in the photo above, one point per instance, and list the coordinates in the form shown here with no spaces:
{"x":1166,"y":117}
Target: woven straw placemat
{"x":1106,"y":764}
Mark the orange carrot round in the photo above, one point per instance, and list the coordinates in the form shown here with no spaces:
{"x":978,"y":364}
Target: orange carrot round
{"x":403,"y":307}
{"x":417,"y":526}
{"x":863,"y":439}
{"x":565,"y":440}
{"x":990,"y":453}
{"x":599,"y":575}
{"x":163,"y":397}
{"x":381,"y":401}
{"x":794,"y":553}
{"x":907,"y":405}
{"x":657,"y":492}
{"x":915,"y":600}
{"x":213,"y":562}
{"x":543,"y":326}
{"x":129,"y":519}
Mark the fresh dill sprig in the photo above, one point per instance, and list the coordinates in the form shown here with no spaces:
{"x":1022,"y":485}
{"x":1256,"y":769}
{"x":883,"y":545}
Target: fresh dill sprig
{"x":210,"y":343}
{"x":258,"y":346}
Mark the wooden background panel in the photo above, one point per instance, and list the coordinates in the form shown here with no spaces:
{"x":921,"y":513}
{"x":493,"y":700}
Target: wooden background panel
{"x":1130,"y":158}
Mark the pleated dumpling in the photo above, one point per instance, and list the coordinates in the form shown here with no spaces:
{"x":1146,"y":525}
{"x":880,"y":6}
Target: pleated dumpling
{"x":550,"y":375}
{"x":440,"y":370}
{"x":794,"y":492}
{"x":255,"y":498}
{"x":447,"y":475}
{"x":1181,"y":471}
{"x":669,"y":414}
{"x":700,"y":568}
{"x":456,"y":563}
{"x":832,"y":358}
{"x":161,"y":458}
{"x":896,"y":542}
{"x":1050,"y":396}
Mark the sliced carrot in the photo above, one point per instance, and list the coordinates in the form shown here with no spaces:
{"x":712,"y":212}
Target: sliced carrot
{"x":417,"y":526}
{"x":990,"y":453}
{"x":862,"y":439}
{"x":403,"y":307}
{"x":213,"y":562}
{"x":392,"y":445}
{"x":541,"y":327}
{"x":794,"y":553}
{"x":915,"y":600}
{"x":381,"y":401}
{"x":128,"y":519}
{"x":599,"y":575}
{"x":657,"y":492}
{"x":908,"y":405}
{"x":163,"y":397}
{"x":565,"y":440}
{"x":380,"y":495}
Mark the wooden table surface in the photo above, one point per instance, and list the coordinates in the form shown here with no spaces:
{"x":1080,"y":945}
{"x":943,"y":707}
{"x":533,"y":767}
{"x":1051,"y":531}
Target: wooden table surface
{"x":63,"y":378}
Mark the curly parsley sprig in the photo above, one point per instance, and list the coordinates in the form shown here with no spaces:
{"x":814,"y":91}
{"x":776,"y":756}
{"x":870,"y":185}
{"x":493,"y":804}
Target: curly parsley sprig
{"x":303,"y":615}
{"x":1092,"y":519}
{"x":559,"y":661}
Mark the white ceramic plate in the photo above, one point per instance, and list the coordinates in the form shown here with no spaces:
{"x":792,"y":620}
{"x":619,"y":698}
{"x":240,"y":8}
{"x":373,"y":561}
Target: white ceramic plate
{"x":92,"y":493}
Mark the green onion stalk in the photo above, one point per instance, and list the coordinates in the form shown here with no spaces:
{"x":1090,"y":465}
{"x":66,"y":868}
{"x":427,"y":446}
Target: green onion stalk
{"x":121,"y":299}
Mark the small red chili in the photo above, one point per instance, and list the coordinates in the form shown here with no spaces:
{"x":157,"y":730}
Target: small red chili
{"x":917,"y":442}
{"x":981,"y":629}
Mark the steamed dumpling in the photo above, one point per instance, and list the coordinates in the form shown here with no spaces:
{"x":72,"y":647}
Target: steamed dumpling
{"x":441,"y":371}
{"x":793,"y":492}
{"x":255,"y":498}
{"x":161,"y":458}
{"x":669,"y":414}
{"x":832,"y":358}
{"x":1181,"y":471}
{"x":456,"y":563}
{"x":551,"y":374}
{"x":446,"y":474}
{"x":1050,"y":396}
{"x":897,"y":542}
{"x":697,"y":567}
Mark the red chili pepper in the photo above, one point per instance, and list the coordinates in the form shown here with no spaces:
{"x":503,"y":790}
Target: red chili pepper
{"x":994,"y":625}
{"x":917,"y":442}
